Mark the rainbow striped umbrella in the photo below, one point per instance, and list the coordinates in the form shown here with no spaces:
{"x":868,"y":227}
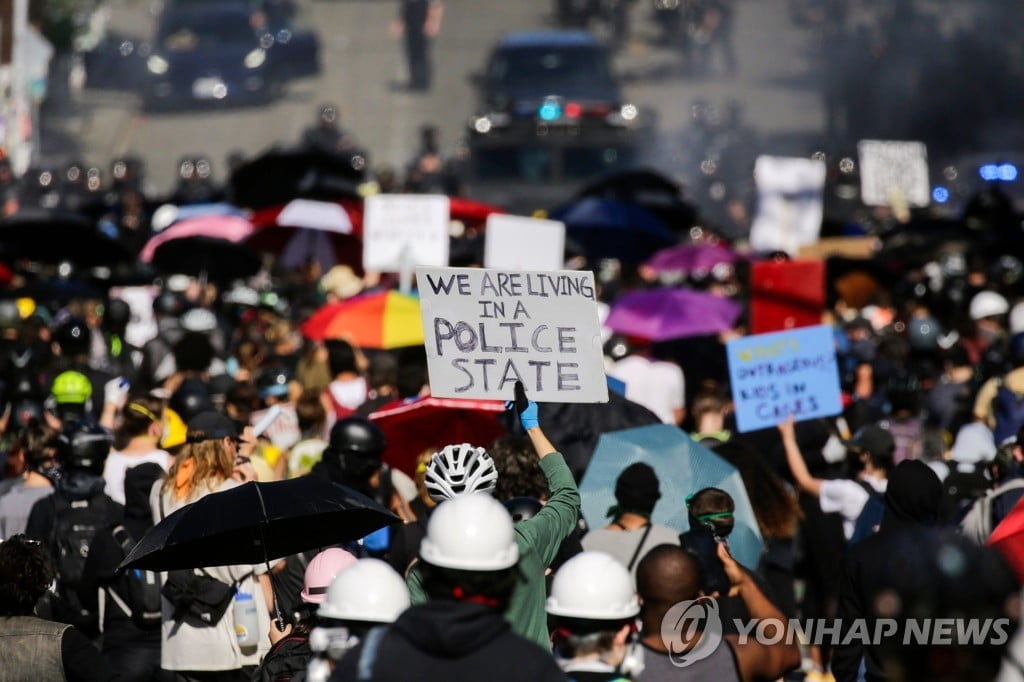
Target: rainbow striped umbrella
{"x":382,"y":319}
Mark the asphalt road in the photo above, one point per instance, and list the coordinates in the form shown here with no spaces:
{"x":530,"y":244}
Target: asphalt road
{"x":362,"y":65}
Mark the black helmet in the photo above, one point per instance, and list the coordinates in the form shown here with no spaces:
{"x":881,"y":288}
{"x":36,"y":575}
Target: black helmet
{"x":84,"y":446}
{"x":73,"y":337}
{"x":191,"y":399}
{"x":358,"y":435}
{"x":117,"y":315}
{"x":523,"y":508}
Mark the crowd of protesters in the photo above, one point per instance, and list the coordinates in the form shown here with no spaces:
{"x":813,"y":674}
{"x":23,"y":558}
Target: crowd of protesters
{"x":103,"y":439}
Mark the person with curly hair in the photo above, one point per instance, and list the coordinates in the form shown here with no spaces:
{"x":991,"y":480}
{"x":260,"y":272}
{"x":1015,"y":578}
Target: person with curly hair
{"x":32,"y":648}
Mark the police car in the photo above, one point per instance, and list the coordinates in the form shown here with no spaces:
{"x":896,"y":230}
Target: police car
{"x":551,"y":81}
{"x":551,"y":116}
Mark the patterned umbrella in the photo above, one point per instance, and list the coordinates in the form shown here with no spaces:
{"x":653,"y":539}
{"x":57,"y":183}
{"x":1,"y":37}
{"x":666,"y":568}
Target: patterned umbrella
{"x":381,"y":319}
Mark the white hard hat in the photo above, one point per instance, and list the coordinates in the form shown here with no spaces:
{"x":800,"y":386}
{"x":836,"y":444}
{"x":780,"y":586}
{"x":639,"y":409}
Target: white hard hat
{"x":987,"y":304}
{"x":470,"y":532}
{"x":594,"y":586}
{"x":369,"y":591}
{"x":1017,"y":319}
{"x":458,"y":470}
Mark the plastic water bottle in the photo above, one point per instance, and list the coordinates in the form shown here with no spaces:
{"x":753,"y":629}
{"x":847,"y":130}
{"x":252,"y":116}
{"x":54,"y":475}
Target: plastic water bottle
{"x":246,"y":623}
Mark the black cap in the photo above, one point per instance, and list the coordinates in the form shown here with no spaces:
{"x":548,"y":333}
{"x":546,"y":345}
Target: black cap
{"x":872,"y":438}
{"x":210,"y":426}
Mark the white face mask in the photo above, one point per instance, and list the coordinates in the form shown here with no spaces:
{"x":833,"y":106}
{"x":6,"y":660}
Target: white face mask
{"x":834,"y":450}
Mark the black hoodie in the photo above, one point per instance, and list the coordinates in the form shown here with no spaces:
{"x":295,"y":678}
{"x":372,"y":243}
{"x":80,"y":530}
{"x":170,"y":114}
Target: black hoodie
{"x":901,"y":558}
{"x":447,"y":640}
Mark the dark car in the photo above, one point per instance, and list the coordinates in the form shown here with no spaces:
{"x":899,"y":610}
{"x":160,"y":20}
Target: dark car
{"x":551,"y":80}
{"x":223,"y":53}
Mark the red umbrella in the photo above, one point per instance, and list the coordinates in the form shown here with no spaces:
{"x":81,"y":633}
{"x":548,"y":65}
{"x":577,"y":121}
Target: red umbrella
{"x":431,"y":423}
{"x":472,"y":213}
{"x":303,"y":230}
{"x":1008,"y":539}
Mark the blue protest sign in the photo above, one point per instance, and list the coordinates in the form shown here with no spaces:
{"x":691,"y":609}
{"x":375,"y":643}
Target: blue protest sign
{"x":784,"y":373}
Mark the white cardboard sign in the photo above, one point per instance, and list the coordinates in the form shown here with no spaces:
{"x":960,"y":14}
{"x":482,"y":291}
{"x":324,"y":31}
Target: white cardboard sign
{"x":142,"y":326}
{"x":520,"y":243}
{"x":790,"y":193}
{"x":893,"y":169}
{"x":486,"y":329}
{"x":393,"y":223}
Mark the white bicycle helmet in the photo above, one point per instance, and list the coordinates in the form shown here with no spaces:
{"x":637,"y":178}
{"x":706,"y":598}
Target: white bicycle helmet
{"x":458,"y":470}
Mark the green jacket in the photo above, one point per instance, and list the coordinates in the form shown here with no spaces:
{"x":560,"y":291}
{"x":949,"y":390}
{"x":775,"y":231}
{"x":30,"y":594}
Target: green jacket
{"x":539,"y":539}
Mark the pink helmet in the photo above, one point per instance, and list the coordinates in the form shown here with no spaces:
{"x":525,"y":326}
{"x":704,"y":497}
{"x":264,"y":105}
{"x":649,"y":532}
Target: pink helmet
{"x":321,"y":571}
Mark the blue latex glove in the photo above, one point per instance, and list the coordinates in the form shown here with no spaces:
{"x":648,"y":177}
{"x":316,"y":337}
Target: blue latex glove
{"x":529,"y":413}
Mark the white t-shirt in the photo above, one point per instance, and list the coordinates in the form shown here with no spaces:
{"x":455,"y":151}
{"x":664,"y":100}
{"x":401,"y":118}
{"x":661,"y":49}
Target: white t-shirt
{"x":118,"y":464}
{"x":848,"y":498}
{"x":657,"y":385}
{"x":213,"y":648}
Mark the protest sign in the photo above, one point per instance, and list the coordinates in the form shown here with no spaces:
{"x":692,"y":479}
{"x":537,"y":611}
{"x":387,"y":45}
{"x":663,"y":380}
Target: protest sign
{"x":413,"y":227}
{"x":142,"y":325}
{"x":893,"y":172}
{"x":785,"y":373}
{"x":519,"y":243}
{"x":789,"y":203}
{"x":486,"y":329}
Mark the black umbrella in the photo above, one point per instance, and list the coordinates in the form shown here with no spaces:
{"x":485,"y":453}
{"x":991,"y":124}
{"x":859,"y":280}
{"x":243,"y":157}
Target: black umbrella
{"x":258,"y":522}
{"x":279,"y":176}
{"x":216,"y":259}
{"x":47,"y":236}
{"x":650,"y":190}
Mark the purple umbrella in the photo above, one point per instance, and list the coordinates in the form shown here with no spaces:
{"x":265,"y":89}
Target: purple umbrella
{"x":663,"y":314}
{"x":692,"y":258}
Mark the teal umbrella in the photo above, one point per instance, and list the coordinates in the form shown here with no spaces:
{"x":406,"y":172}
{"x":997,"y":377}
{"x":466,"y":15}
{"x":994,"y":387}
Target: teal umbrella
{"x":683,"y":467}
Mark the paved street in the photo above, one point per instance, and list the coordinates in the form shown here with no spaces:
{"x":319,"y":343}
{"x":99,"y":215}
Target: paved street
{"x":362,"y":64}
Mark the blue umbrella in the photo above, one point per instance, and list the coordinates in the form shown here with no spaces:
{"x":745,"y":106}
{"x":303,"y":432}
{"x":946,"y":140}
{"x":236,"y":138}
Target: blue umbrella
{"x":609,"y":228}
{"x":683,"y":467}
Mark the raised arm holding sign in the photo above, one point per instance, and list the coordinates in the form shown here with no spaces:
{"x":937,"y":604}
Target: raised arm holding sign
{"x":487,"y":329}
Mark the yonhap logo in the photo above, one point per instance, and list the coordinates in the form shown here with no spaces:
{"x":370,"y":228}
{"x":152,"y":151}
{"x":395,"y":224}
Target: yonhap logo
{"x":692,"y":631}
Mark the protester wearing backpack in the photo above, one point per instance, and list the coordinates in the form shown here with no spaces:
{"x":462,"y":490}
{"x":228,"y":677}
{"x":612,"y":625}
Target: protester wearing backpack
{"x":859,"y":500}
{"x":1007,"y":489}
{"x":128,"y":603}
{"x":967,"y":482}
{"x":67,"y":521}
{"x":1000,"y":400}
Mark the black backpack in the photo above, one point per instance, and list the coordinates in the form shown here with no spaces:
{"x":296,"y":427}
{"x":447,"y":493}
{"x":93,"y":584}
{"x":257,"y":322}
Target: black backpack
{"x":870,"y":517}
{"x":75,"y":525}
{"x":136,"y":592}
